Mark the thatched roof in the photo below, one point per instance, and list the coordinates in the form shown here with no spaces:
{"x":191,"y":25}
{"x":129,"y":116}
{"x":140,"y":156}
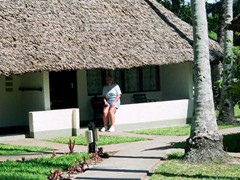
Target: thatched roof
{"x":235,"y":24}
{"x":55,"y":35}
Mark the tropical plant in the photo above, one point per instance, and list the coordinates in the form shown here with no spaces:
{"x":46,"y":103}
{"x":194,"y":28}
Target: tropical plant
{"x":235,"y":90}
{"x":78,"y":167}
{"x":236,"y":66}
{"x":71,"y":145}
{"x":54,"y":175}
{"x":204,"y":143}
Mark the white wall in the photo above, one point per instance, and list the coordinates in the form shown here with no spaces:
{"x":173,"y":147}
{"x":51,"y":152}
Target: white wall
{"x":16,"y":105}
{"x":84,"y":102}
{"x":155,"y":111}
{"x":177,"y":81}
{"x":54,"y":123}
{"x":35,"y":100}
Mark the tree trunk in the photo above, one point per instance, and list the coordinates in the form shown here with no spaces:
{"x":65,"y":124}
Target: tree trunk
{"x":217,"y":66}
{"x":226,"y":112}
{"x":204,"y":143}
{"x":220,"y":34}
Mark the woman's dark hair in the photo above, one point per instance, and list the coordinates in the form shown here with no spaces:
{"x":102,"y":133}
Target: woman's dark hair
{"x":109,"y":76}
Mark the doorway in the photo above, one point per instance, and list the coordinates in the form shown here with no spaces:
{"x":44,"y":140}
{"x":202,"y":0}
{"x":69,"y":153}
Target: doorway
{"x":63,"y":89}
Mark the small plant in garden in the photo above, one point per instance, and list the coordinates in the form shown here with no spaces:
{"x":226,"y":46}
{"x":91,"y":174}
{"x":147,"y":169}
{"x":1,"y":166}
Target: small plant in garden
{"x":84,"y":164}
{"x":101,"y":153}
{"x":54,"y":175}
{"x":23,"y":158}
{"x":95,"y":157}
{"x":71,"y":145}
{"x":78,"y":167}
{"x":74,"y":169}
{"x":54,"y":153}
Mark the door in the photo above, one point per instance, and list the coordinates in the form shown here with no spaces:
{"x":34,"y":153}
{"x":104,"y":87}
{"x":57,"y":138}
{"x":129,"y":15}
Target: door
{"x":63,"y":89}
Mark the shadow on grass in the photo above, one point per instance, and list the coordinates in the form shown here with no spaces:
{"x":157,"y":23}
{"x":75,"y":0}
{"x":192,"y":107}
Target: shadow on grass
{"x":176,"y":155}
{"x":197,"y":176}
{"x":231,"y":143}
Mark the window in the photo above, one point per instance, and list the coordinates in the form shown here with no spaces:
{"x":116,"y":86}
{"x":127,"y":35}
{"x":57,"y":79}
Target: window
{"x":9,"y":84}
{"x":150,"y":78}
{"x":94,"y":81}
{"x":132,"y":80}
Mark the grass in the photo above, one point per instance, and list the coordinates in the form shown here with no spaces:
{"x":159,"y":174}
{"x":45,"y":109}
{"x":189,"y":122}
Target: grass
{"x":103,"y":140}
{"x":6,"y":149}
{"x":168,"y":131}
{"x":37,"y":168}
{"x":175,"y":168}
{"x":177,"y":130}
{"x":230,"y":143}
{"x":225,"y":126}
{"x":183,"y":130}
{"x":237,"y":111}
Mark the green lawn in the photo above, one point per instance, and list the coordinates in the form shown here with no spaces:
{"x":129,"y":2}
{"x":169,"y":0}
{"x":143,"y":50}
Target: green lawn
{"x":103,"y":140}
{"x":175,"y":168}
{"x":6,"y":149}
{"x":237,"y":111}
{"x":176,"y":131}
{"x":37,"y":169}
{"x":168,"y":131}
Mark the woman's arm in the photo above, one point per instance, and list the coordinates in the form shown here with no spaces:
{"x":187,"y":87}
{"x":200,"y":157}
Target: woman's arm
{"x":105,"y":101}
{"x":116,"y":99}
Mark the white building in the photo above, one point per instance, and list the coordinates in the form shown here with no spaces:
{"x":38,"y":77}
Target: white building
{"x":54,"y":55}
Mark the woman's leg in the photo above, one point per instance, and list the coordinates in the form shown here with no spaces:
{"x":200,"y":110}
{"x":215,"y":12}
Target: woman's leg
{"x":112,"y":111}
{"x":105,"y":115}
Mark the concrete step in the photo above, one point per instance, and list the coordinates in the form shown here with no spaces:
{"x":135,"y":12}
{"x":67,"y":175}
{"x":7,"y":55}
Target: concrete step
{"x":10,"y":137}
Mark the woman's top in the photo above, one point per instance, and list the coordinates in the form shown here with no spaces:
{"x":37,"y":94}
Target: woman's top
{"x":111,"y":91}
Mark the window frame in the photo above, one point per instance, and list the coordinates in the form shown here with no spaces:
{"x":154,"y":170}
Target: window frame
{"x":123,"y":82}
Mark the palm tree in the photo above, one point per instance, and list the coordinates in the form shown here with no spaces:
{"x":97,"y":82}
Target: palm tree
{"x":204,"y":143}
{"x":221,"y":25}
{"x":226,"y":112}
